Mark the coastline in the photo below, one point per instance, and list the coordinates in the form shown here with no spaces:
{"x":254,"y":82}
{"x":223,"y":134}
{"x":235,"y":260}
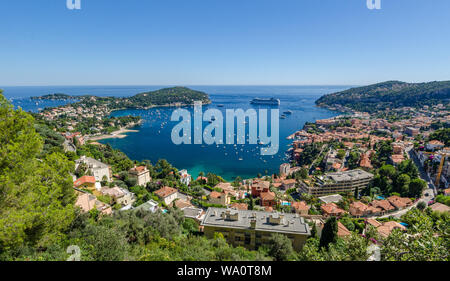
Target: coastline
{"x":119,"y":134}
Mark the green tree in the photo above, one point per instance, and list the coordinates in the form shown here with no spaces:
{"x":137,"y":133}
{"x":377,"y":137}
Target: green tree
{"x":408,"y":167}
{"x":416,"y":187}
{"x":36,"y":198}
{"x":280,"y":247}
{"x":401,"y":184}
{"x":353,"y":160}
{"x":329,"y":233}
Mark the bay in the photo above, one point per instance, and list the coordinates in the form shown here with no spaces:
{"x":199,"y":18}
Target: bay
{"x":153,"y":141}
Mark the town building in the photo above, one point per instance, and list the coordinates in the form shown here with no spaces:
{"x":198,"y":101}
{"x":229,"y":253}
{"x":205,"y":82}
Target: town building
{"x":438,"y":207}
{"x":288,"y":184}
{"x":239,"y":206}
{"x":98,"y":169}
{"x":260,"y":186}
{"x":119,"y":195}
{"x":399,"y":202}
{"x":285,"y":169}
{"x":435,"y":145}
{"x":141,"y":174}
{"x":268,"y":199}
{"x":359,"y":209}
{"x":332,"y":210}
{"x":185,"y":178}
{"x":252,"y":229}
{"x":301,"y":208}
{"x":219,"y":198}
{"x":149,"y":206}
{"x":167,"y":194}
{"x":194,"y":213}
{"x":385,"y":229}
{"x":383,"y":205}
{"x":86,"y":182}
{"x":340,"y":182}
{"x":412,"y":131}
{"x":87,"y":202}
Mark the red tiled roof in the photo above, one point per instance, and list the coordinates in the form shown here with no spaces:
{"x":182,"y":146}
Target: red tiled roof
{"x":165,"y":191}
{"x":331,"y":208}
{"x":438,"y":207}
{"x":215,"y":194}
{"x":436,"y":142}
{"x":83,"y":180}
{"x":268,"y":195}
{"x":239,"y":206}
{"x":343,"y":231}
{"x":300,"y":205}
{"x":383,"y":204}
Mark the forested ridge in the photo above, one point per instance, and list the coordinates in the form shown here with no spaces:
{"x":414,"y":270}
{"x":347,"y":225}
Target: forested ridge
{"x":390,"y":94}
{"x":161,"y":97}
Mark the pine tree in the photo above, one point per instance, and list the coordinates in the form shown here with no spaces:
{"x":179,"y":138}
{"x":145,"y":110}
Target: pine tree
{"x":329,"y":232}
{"x":36,"y":198}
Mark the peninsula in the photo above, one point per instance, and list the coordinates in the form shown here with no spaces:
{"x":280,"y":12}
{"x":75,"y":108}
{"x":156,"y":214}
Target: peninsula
{"x":388,"y":95}
{"x":90,"y":115}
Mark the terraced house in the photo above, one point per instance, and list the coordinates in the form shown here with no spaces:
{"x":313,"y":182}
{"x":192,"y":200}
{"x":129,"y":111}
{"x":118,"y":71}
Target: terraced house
{"x":252,"y":229}
{"x":339,"y":182}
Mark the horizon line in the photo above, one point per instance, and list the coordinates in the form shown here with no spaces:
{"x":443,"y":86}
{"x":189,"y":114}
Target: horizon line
{"x":178,"y":85}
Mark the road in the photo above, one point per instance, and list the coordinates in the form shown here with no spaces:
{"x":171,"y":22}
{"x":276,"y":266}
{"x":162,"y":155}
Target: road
{"x":428,"y":194}
{"x":423,"y":175}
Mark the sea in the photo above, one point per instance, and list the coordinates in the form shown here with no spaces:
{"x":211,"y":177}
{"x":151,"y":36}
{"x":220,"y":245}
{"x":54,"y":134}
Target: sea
{"x":153,"y":140}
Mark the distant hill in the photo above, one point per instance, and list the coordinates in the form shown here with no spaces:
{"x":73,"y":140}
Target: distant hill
{"x":56,"y":96}
{"x":165,"y":96}
{"x":162,"y":97}
{"x":390,"y":94}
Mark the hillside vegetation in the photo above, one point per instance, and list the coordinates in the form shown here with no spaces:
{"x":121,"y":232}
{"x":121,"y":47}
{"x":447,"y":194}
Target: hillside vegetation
{"x":169,"y":95}
{"x":166,"y":96}
{"x":390,"y":94}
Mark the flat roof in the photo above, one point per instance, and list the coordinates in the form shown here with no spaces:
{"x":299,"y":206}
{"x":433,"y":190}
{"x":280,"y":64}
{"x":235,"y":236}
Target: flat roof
{"x":351,"y":175}
{"x":331,"y":198}
{"x":290,"y":223}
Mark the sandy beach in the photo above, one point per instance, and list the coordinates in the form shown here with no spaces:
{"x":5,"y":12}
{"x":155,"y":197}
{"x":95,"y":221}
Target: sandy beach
{"x":120,"y":134}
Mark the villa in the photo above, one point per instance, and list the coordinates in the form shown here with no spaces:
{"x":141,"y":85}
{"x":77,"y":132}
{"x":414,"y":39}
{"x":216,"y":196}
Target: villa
{"x":331,"y":209}
{"x":88,"y":202}
{"x":185,"y":178}
{"x":120,"y":195}
{"x":86,"y":182}
{"x":98,"y":169}
{"x":385,"y":229}
{"x":219,"y":198}
{"x":301,"y":208}
{"x":141,"y":174}
{"x":167,"y":194}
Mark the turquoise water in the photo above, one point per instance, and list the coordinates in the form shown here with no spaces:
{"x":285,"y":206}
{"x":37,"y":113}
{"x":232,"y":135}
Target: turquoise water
{"x":153,"y":141}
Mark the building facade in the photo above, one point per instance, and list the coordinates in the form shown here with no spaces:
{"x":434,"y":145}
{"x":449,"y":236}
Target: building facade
{"x":331,"y":183}
{"x":98,"y":169}
{"x":141,"y":174}
{"x":252,"y":229}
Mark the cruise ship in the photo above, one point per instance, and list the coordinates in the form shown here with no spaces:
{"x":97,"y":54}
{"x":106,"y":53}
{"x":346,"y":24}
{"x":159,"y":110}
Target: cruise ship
{"x":271,"y":101}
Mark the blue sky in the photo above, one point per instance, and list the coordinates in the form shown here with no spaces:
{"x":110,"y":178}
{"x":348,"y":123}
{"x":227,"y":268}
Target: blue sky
{"x":223,"y":42}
